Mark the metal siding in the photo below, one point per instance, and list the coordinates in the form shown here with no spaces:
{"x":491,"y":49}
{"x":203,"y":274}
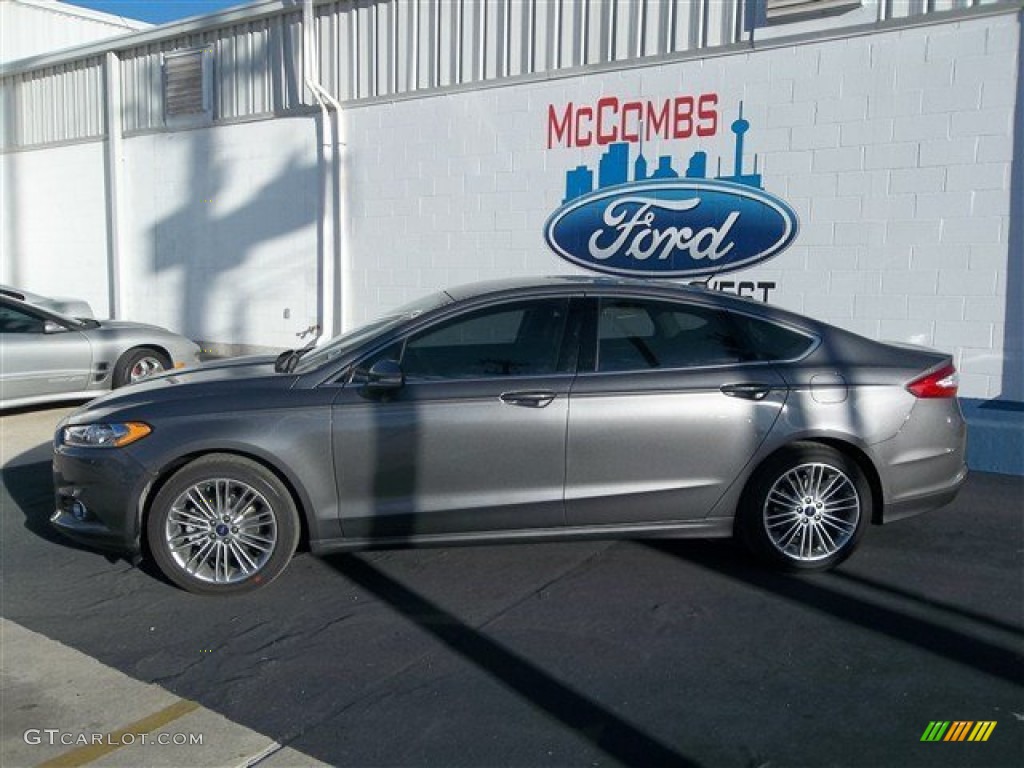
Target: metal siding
{"x":372,"y":48}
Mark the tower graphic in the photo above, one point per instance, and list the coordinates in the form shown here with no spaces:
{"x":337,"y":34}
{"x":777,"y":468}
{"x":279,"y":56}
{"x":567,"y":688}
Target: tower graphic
{"x":614,"y":166}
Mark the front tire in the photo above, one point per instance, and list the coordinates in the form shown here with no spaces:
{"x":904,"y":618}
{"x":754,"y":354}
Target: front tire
{"x":805,"y":508}
{"x":222,"y":525}
{"x":139,"y":364}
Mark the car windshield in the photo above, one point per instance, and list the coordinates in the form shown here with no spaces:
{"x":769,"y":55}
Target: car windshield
{"x":349,"y":340}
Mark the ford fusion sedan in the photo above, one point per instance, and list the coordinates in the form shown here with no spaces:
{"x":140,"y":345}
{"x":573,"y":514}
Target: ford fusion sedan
{"x":519,"y":411}
{"x":48,"y":357}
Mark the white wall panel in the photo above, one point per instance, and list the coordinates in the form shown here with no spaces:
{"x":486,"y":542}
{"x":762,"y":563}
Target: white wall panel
{"x":892,"y":241}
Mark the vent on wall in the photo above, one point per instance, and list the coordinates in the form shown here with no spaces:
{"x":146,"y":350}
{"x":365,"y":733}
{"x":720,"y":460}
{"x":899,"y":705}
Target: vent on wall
{"x":187,"y":85}
{"x":782,"y":11}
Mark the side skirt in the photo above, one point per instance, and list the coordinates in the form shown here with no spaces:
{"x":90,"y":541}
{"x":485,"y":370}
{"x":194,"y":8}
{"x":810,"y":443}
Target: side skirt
{"x":713,"y":528}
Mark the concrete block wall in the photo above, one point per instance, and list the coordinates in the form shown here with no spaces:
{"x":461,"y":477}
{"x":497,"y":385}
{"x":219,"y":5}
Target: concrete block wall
{"x":53,"y":231}
{"x":220,"y":232}
{"x":895,"y":148}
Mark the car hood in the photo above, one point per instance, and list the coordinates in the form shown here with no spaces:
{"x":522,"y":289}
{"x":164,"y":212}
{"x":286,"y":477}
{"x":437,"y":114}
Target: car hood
{"x":210,"y":386}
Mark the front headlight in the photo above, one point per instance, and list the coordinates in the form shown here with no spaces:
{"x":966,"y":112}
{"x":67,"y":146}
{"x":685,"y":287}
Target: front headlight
{"x":105,"y":435}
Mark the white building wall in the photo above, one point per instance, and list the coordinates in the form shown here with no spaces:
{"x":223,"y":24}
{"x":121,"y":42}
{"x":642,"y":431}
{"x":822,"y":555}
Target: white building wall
{"x":220,"y":231}
{"x":895,"y":149}
{"x":56,"y":223}
{"x":33,"y":27}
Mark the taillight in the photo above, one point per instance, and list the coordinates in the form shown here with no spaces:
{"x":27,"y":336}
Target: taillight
{"x":940,"y":383}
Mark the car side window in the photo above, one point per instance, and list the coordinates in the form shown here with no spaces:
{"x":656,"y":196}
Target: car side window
{"x":768,"y":341}
{"x":13,"y":320}
{"x":639,"y":335}
{"x":517,"y":339}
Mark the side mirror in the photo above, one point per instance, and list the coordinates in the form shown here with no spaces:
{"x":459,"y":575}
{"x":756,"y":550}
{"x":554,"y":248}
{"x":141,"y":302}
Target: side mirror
{"x":49,"y":326}
{"x":384,"y":376}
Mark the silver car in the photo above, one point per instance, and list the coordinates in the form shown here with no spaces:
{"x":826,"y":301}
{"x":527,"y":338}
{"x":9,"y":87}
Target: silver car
{"x":519,"y":411}
{"x":62,"y":305}
{"x":47,"y":357}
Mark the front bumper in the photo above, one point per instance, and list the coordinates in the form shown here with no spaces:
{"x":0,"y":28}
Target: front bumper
{"x":97,"y":497}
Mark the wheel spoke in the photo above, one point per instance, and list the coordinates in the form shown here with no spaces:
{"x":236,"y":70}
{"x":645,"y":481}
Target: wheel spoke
{"x":200,"y":502}
{"x":221,"y":530}
{"x":811,"y":511}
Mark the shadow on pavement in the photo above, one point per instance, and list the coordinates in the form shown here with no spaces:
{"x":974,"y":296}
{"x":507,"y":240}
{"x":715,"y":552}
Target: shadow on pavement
{"x":602,"y":727}
{"x":823,"y":593}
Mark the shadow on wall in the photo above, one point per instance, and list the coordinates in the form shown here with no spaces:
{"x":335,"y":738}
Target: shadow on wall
{"x":206,"y":245}
{"x":1013,"y":340}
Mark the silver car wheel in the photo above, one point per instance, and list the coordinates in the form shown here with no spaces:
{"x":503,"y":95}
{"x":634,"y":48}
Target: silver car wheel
{"x":221,"y":531}
{"x":811,"y":512}
{"x":144,"y":368}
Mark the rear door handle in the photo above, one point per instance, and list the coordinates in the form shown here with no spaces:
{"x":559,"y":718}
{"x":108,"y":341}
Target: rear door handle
{"x":532,"y":399}
{"x":747,"y":390}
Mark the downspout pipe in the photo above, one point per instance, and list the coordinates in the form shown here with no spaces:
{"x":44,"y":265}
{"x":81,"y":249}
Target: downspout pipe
{"x":114,"y":160}
{"x":328,"y":203}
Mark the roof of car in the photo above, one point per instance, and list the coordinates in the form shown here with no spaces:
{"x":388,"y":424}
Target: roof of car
{"x":560,"y":283}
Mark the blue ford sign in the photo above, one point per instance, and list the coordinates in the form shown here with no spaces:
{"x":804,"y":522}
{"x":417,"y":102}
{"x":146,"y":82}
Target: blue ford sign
{"x":624,"y":218}
{"x":671,"y":228}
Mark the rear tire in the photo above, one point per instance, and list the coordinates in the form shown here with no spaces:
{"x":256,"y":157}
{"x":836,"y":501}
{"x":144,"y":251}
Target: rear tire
{"x":806,"y":508}
{"x":139,"y":364}
{"x":222,"y":525}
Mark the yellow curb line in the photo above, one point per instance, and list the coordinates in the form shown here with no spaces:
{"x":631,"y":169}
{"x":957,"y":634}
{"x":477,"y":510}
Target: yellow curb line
{"x":113,"y":741}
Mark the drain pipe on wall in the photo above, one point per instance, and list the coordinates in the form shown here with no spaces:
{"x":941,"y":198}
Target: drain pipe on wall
{"x":330,"y":184}
{"x":114,"y":161}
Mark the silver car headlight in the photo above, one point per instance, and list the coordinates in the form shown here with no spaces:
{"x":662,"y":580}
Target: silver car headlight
{"x":115,"y":435}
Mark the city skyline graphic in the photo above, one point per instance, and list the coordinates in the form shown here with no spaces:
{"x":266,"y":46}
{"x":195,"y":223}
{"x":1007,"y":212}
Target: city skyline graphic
{"x":614,"y":166}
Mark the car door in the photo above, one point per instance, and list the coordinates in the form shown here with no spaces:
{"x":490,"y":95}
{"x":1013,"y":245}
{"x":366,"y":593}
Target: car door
{"x":473,"y":440}
{"x":667,"y":414}
{"x":38,"y":358}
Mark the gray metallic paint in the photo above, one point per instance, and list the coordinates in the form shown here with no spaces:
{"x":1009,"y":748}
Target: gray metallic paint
{"x":450,"y":462}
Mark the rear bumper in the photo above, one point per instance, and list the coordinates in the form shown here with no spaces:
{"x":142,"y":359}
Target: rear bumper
{"x":915,"y":505}
{"x":925,"y":465}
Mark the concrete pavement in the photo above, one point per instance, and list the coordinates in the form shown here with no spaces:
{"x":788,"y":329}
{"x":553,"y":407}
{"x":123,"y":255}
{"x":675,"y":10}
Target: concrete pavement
{"x":60,"y":707}
{"x":561,"y":654}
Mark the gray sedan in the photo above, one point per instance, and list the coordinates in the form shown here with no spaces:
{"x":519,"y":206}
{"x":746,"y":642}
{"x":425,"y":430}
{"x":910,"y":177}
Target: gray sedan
{"x":519,"y":411}
{"x":46,"y":356}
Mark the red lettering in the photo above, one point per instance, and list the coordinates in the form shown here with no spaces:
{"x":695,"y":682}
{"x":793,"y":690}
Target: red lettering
{"x":611,"y":120}
{"x":657,"y":122}
{"x":682,"y":123}
{"x":584,"y":139}
{"x":707,"y":114}
{"x":636,"y":109}
{"x":560,"y":131}
{"x":603,"y":105}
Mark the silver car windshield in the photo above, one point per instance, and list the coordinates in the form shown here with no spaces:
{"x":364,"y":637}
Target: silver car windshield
{"x":349,"y":340}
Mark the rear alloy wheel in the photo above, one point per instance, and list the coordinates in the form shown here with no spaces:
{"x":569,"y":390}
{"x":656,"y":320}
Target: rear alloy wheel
{"x":138,"y":364}
{"x":221,"y":525}
{"x":806,"y":508}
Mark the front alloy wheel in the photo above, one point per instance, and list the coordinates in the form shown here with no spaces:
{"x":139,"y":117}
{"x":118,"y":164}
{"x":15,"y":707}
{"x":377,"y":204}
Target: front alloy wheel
{"x":806,"y":508}
{"x":222,"y":524}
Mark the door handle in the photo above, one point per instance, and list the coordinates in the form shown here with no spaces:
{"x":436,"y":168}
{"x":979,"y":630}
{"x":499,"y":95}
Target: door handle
{"x":747,"y":390}
{"x":533,"y":399}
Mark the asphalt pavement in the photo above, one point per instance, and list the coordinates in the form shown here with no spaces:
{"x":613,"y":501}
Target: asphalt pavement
{"x":557,"y":654}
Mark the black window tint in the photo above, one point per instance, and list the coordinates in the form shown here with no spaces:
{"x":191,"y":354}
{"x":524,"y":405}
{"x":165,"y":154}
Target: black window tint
{"x":521,"y":339}
{"x":768,"y":341}
{"x":642,"y":335}
{"x":13,"y":320}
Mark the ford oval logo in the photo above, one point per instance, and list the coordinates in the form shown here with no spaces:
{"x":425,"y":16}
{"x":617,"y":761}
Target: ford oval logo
{"x":671,"y":228}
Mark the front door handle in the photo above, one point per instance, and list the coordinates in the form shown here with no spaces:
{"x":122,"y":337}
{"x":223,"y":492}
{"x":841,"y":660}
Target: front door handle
{"x":532,"y":399}
{"x":747,"y":390}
